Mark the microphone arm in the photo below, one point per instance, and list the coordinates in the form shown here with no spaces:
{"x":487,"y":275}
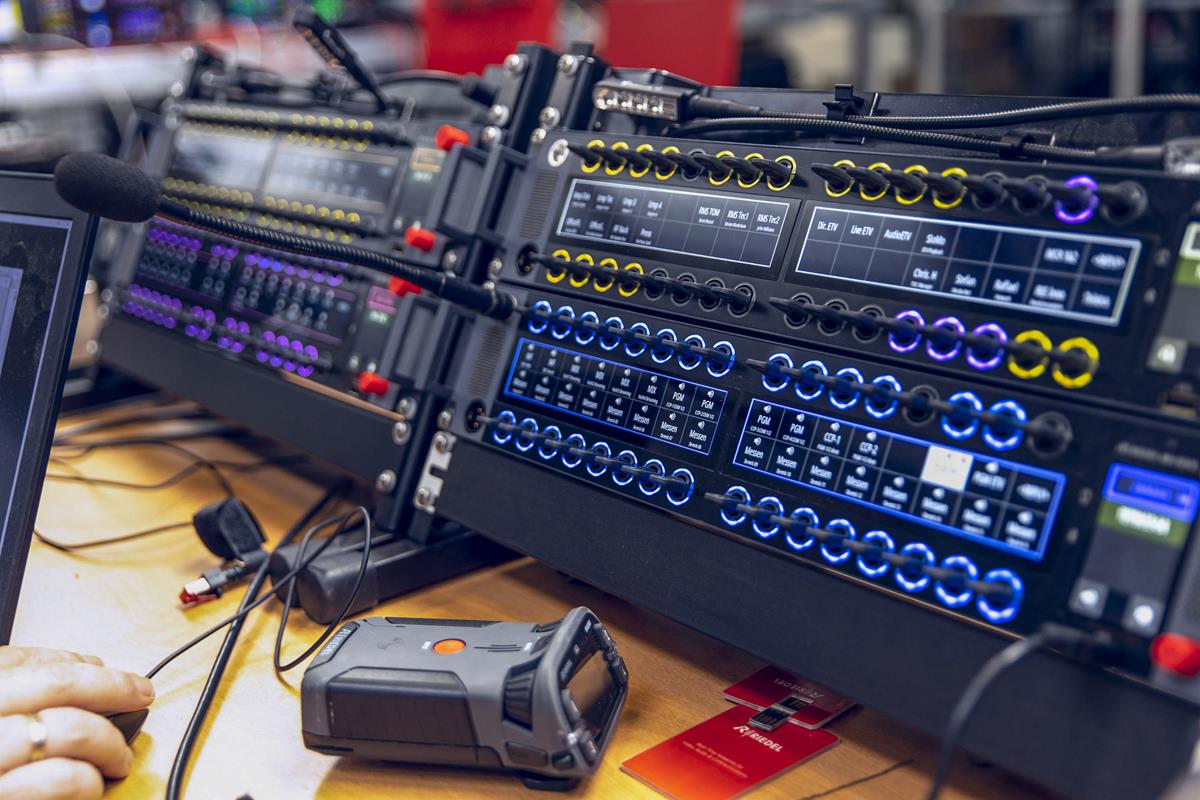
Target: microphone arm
{"x":488,"y":302}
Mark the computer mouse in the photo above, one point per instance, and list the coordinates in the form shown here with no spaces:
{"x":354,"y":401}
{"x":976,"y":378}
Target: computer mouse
{"x":129,"y":723}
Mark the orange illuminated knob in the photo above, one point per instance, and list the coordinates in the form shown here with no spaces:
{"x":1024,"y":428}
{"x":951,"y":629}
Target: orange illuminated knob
{"x":400,"y":287}
{"x":447,"y":136}
{"x":420,"y":238}
{"x":448,"y":647}
{"x":372,"y":383}
{"x":1176,"y":653}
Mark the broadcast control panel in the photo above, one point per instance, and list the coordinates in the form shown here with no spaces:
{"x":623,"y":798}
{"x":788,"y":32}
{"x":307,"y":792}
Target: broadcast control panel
{"x":304,"y":346}
{"x":930,"y":376}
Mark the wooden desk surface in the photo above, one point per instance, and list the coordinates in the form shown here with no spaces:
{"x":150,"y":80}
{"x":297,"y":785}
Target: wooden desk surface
{"x":120,"y":603}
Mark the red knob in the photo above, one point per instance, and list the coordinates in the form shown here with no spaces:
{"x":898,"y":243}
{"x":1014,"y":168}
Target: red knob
{"x":1176,"y":653}
{"x":400,"y":287}
{"x":420,"y":238}
{"x":371,"y":383}
{"x":447,"y":136}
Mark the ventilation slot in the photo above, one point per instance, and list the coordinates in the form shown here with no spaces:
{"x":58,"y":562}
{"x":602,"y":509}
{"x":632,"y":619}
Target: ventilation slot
{"x":484,"y":373}
{"x":539,"y":204}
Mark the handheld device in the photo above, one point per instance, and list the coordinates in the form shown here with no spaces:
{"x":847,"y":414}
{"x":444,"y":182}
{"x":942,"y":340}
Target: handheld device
{"x":540,"y":701}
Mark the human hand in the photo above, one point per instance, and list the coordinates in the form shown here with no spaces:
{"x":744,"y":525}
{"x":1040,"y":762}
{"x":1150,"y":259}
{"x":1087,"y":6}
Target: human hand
{"x":54,"y":739}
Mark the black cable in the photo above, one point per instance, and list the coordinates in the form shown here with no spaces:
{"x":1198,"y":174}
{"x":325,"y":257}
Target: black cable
{"x":995,"y":666}
{"x":447,"y":286}
{"x":341,"y":615}
{"x":952,"y":141}
{"x":212,"y":467}
{"x":858,"y":781}
{"x":248,"y":604}
{"x":1072,"y":109}
{"x":125,"y":537}
{"x":136,"y":416}
{"x":436,"y":75}
{"x":228,"y":431}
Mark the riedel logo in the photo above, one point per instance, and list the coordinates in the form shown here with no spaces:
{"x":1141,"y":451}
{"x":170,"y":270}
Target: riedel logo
{"x":746,"y":730}
{"x":807,"y":691}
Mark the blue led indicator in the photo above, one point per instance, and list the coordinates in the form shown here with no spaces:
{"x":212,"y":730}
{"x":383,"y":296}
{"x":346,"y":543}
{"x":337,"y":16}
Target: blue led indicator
{"x":1152,"y":491}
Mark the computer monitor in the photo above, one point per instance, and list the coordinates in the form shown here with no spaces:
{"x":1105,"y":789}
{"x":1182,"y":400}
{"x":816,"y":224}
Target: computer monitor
{"x":44,"y":248}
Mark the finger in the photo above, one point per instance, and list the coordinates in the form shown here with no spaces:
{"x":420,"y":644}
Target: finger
{"x":26,"y":690}
{"x":52,"y":779}
{"x":70,"y":733}
{"x":23,"y":656}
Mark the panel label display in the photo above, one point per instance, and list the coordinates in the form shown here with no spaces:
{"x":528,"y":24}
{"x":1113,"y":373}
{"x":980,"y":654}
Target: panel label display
{"x":741,"y":229}
{"x":1149,"y":504}
{"x":357,"y":180}
{"x":991,"y":501}
{"x":668,"y":409}
{"x":1060,"y":274}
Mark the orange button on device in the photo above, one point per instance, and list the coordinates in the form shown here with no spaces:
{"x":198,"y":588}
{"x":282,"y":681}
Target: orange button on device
{"x":1176,"y":653}
{"x":447,"y":136}
{"x":420,"y":238}
{"x":449,"y":646}
{"x":370,"y":383}
{"x":400,"y":287}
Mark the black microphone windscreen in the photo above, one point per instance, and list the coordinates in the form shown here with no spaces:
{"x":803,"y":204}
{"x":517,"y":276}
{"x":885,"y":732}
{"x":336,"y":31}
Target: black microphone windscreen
{"x":106,"y":187}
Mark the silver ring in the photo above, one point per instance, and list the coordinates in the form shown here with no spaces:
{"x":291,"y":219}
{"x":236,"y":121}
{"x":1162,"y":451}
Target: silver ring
{"x":36,"y":729}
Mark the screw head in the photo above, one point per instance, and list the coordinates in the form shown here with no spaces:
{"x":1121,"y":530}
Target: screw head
{"x":568,"y":64}
{"x":549,"y":116}
{"x":400,"y":432}
{"x":450,"y":259}
{"x":424,"y":497}
{"x":498,"y":114}
{"x":489,"y":134}
{"x":441,"y":443}
{"x":385,"y":482}
{"x":406,"y":406}
{"x":556,"y":156}
{"x":495,"y":266}
{"x":538,"y":136}
{"x":514,"y":63}
{"x":444,"y":419}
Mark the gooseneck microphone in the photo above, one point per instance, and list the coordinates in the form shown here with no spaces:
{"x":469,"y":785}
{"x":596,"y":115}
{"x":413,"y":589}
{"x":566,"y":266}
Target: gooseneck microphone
{"x":109,"y":188}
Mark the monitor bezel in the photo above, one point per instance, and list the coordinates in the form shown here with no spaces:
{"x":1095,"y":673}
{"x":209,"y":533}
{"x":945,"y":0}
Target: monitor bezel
{"x":60,"y":292}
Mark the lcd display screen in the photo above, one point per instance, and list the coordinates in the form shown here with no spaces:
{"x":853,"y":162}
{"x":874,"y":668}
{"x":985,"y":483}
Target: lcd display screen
{"x":741,"y":229}
{"x":668,"y":409}
{"x":593,"y":689}
{"x":998,"y":503}
{"x":10,"y":284}
{"x":1076,"y":276}
{"x":332,"y":178}
{"x":220,"y":159}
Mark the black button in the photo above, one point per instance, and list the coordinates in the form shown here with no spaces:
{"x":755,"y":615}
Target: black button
{"x":605,"y":639}
{"x":563,"y":760}
{"x":525,"y":756}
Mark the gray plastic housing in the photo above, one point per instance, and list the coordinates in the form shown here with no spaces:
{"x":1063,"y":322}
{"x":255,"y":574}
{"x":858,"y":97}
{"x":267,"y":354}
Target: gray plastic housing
{"x":380,"y":689}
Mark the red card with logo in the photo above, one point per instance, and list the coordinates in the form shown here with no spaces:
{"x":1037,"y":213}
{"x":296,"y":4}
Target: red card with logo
{"x":771,"y":685}
{"x":724,"y":757}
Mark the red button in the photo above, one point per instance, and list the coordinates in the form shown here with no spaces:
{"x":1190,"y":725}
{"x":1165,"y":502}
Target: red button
{"x":448,"y":647}
{"x":370,"y":383}
{"x":447,"y":136}
{"x":1176,"y":653}
{"x":400,"y":287}
{"x":420,"y":238}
